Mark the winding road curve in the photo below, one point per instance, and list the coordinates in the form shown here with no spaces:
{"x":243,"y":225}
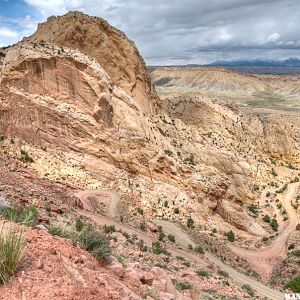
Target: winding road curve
{"x":183,"y":240}
{"x":264,"y":259}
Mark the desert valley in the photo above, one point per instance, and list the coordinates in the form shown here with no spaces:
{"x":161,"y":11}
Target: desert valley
{"x":122,"y":181}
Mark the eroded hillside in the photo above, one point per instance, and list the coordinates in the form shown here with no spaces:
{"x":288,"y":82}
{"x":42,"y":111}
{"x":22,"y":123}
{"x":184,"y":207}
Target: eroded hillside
{"x":78,"y":108}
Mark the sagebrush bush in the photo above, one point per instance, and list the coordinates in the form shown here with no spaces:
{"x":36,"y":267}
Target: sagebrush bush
{"x":158,"y":248}
{"x":79,"y":224}
{"x":248,"y":289}
{"x":230,"y":236}
{"x":94,"y":242}
{"x":27,"y":216}
{"x":294,"y":285}
{"x":199,"y":249}
{"x":12,"y":243}
{"x":203,"y":273}
{"x":88,"y":238}
{"x":179,"y":285}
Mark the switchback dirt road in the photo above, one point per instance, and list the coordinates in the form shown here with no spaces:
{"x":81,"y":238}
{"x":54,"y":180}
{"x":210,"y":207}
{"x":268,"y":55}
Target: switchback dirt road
{"x":183,"y":240}
{"x":263,"y":260}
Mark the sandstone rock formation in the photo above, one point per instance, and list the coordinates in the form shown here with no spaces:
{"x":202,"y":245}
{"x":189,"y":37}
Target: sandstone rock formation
{"x":110,"y":47}
{"x":79,"y":89}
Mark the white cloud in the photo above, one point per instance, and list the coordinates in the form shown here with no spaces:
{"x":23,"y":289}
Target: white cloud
{"x":55,"y":7}
{"x":189,"y":31}
{"x":7,"y":32}
{"x":274,"y":37}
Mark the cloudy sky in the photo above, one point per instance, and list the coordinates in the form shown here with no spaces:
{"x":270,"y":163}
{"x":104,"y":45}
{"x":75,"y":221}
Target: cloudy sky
{"x":177,"y":31}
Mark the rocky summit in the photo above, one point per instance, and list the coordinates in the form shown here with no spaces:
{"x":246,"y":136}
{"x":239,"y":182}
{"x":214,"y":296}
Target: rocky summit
{"x":179,"y":183}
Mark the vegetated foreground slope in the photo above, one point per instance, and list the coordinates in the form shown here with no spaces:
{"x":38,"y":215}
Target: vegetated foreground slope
{"x":86,"y":115}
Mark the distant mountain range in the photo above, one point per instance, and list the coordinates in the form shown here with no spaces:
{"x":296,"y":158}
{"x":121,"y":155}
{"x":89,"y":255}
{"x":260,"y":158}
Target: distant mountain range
{"x":287,"y":66}
{"x":291,"y":62}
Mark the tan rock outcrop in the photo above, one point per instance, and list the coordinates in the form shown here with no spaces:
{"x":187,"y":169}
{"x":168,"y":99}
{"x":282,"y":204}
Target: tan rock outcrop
{"x":110,"y":47}
{"x":62,"y":92}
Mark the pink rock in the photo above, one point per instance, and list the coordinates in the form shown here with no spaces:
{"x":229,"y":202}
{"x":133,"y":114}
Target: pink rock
{"x":147,"y":278}
{"x":167,"y":296}
{"x":152,"y":227}
{"x":133,"y":276}
{"x":160,"y":274}
{"x":116,"y":267}
{"x":121,"y":239}
{"x":160,"y":285}
{"x":134,"y":265}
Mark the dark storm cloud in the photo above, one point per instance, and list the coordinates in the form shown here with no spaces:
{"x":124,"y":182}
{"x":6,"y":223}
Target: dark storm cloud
{"x":196,"y":31}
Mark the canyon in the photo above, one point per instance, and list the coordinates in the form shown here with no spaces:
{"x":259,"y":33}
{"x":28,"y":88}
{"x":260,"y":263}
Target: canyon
{"x":204,"y":152}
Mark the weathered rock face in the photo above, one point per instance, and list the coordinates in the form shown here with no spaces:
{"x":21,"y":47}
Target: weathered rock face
{"x":101,"y":130}
{"x":111,"y":48}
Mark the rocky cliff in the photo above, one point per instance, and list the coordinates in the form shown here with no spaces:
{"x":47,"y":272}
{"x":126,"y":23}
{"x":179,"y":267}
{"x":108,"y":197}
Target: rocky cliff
{"x":79,"y":89}
{"x":117,"y":54}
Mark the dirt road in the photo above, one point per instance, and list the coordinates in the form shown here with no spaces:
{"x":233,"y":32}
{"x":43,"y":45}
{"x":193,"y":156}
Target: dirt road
{"x":95,"y":200}
{"x":183,"y":240}
{"x":263,"y":260}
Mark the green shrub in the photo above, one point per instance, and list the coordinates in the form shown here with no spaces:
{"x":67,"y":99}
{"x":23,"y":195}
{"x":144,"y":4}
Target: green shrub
{"x":152,"y":294}
{"x":79,"y":224}
{"x":214,"y":230}
{"x":190,"y":222}
{"x":168,"y":152}
{"x":94,"y":242}
{"x":109,"y":229}
{"x":223,"y":273}
{"x":254,"y":208}
{"x":267,"y":219}
{"x":182,"y":285}
{"x":274,"y":224}
{"x":248,"y":289}
{"x":23,"y":215}
{"x":143,"y":226}
{"x":274,"y":173}
{"x":186,"y":263}
{"x":157,"y":248}
{"x":140,"y":211}
{"x":55,"y":231}
{"x":190,"y":160}
{"x":256,"y":188}
{"x":161,"y":236}
{"x":12,"y":245}
{"x":199,"y":249}
{"x":296,"y":253}
{"x":25,"y":157}
{"x":230,"y":236}
{"x":294,"y":285}
{"x":203,"y":273}
{"x":63,"y":230}
{"x":282,"y":189}
{"x":176,"y":210}
{"x":120,"y":258}
{"x":171,"y":238}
